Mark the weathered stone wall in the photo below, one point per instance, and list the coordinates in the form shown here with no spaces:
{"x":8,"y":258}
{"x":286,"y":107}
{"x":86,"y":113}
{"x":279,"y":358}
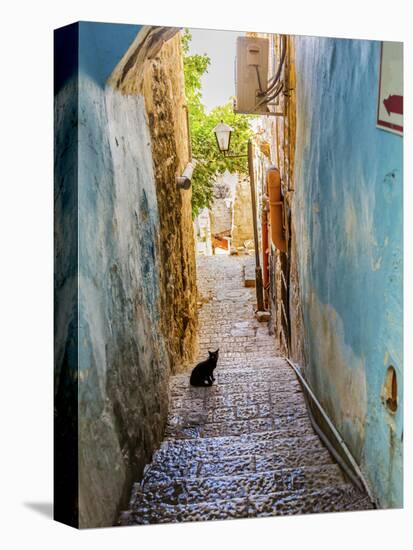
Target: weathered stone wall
{"x":221,"y":208}
{"x":242,"y":227}
{"x":203,"y":232}
{"x":158,"y":75}
{"x":166,"y":108}
{"x":221,"y":216}
{"x":136,"y":256}
{"x":281,"y":134}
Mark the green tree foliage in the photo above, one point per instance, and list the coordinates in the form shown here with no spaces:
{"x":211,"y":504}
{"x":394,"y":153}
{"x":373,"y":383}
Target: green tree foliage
{"x":204,"y":147}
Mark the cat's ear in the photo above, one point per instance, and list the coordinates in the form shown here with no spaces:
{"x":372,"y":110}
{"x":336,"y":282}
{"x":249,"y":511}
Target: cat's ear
{"x":217,"y":351}
{"x":210,"y":352}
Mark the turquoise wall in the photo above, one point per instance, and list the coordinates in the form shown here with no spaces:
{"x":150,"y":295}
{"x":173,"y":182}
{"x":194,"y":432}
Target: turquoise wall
{"x":348,"y":217}
{"x":111,"y":362}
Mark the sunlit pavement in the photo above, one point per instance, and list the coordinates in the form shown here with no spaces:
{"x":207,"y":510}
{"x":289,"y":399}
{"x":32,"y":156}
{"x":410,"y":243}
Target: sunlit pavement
{"x":245,"y":446}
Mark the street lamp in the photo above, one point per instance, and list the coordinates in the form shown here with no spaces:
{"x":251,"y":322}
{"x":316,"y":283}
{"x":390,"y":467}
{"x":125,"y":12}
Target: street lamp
{"x":223,"y":136}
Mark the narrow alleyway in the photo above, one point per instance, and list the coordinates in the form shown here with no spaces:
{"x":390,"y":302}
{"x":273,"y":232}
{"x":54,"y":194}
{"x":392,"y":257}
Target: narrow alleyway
{"x":245,"y":446}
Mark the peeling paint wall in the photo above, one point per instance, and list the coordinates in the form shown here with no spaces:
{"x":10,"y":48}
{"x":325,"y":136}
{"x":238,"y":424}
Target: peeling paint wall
{"x":123,"y":364}
{"x":347,"y":219}
{"x":124,"y":351}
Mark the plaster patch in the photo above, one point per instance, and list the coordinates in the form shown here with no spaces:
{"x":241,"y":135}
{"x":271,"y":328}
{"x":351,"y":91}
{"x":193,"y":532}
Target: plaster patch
{"x":376,"y":265}
{"x":341,"y":379}
{"x":360,"y":229}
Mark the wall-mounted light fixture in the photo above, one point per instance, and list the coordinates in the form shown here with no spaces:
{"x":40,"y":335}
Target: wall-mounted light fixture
{"x":223,"y":136}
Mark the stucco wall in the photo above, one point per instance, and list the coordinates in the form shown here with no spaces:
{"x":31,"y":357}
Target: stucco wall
{"x":123,"y":365}
{"x":347,"y":216}
{"x":124,"y":350}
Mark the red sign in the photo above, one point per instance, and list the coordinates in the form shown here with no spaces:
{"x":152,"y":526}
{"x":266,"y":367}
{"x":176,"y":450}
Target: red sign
{"x":390,"y":100}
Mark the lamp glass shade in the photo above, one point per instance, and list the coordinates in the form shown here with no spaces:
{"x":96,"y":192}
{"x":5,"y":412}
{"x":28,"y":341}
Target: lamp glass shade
{"x":223,"y":135}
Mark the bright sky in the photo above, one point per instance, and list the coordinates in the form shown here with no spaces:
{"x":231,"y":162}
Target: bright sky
{"x":218,"y":83}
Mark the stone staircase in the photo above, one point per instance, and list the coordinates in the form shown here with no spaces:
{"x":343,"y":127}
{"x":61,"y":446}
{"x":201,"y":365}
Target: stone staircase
{"x":245,"y":446}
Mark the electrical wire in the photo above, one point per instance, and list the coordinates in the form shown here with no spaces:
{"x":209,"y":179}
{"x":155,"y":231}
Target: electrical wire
{"x":275,"y":83}
{"x":276,"y":77}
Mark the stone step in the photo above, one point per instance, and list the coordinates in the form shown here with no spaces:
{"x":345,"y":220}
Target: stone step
{"x":257,"y":440}
{"x":233,"y":411}
{"x":196,"y":424}
{"x":259,"y":368}
{"x":237,"y":382}
{"x":200,"y":489}
{"x":249,"y":275}
{"x":221,"y":448}
{"x":283,"y":428}
{"x":170,"y":469}
{"x":342,"y":497}
{"x":227,"y":395}
{"x":217,"y":403}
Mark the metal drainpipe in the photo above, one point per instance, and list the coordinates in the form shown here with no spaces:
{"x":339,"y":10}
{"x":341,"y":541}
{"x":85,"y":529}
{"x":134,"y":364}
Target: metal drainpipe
{"x":258,"y":271}
{"x":265,"y":255}
{"x":361,"y":479}
{"x":184,"y":181}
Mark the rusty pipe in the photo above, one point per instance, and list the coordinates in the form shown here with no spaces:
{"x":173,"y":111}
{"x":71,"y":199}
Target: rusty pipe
{"x":276,"y":209}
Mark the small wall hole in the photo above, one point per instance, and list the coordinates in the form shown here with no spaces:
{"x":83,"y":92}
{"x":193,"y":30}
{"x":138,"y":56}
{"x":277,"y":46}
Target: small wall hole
{"x":390,"y":390}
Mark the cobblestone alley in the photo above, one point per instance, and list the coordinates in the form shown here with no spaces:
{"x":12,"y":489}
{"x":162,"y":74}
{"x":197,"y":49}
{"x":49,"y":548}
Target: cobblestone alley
{"x":245,"y":446}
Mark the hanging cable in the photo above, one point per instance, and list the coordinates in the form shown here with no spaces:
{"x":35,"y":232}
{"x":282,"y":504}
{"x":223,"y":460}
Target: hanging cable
{"x":259,"y":78}
{"x":275,"y":87}
{"x":277,"y":75}
{"x":267,"y":99}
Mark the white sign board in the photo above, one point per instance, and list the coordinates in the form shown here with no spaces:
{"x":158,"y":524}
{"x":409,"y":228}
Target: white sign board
{"x":390,"y":100}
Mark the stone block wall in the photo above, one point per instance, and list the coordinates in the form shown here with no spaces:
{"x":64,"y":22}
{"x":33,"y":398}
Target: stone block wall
{"x":157,"y":74}
{"x":221,"y":208}
{"x":242,"y":227}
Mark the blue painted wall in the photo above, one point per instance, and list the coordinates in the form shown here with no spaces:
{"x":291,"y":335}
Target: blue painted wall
{"x":97,"y":49}
{"x":112,"y":364}
{"x":102,"y":46}
{"x":348,"y":219}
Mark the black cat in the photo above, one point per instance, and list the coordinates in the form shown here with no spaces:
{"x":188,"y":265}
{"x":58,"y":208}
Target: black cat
{"x":202,"y":375}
